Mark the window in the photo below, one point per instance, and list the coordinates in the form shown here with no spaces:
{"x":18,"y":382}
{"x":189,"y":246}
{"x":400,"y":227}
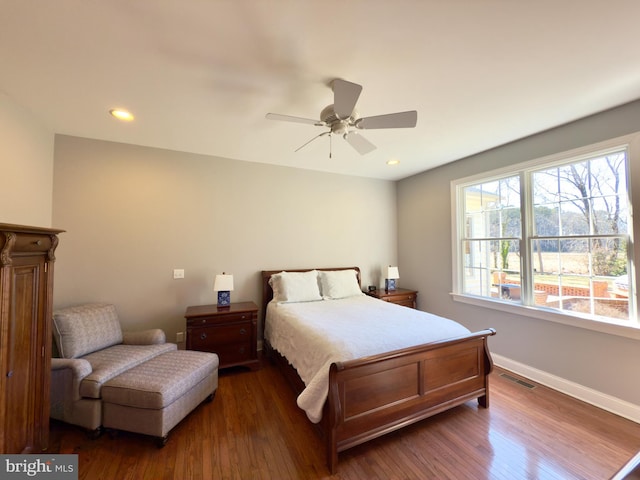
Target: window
{"x":552,"y":235}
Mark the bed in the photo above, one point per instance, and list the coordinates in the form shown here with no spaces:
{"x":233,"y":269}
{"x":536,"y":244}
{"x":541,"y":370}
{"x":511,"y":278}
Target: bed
{"x":358,"y":391}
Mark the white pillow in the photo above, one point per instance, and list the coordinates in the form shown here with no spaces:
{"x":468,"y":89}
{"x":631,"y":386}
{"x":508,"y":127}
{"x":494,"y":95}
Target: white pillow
{"x":336,"y":284}
{"x":289,"y":287}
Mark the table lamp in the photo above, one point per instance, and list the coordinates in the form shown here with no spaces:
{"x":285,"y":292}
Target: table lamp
{"x":223,"y":285}
{"x":392,"y":276}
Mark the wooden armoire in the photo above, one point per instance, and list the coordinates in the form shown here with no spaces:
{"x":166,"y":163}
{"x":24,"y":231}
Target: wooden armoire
{"x":26,"y":291}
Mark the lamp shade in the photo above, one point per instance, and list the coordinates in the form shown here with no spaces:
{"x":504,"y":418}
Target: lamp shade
{"x":392,"y":272}
{"x":223,"y":283}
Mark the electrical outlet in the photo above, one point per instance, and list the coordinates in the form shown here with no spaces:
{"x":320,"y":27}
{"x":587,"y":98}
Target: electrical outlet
{"x":179,"y":337}
{"x":178,"y":273}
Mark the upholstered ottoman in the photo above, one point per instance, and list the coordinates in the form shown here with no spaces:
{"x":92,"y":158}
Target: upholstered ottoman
{"x":156,"y":395}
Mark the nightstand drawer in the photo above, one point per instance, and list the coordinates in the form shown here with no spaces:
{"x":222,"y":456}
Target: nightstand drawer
{"x":404,"y":301}
{"x":239,"y":332}
{"x":214,"y":320}
{"x":233,"y":353}
{"x":229,"y":352}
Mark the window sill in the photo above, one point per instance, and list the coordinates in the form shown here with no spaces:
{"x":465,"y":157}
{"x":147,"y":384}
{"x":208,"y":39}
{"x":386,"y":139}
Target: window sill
{"x":609,"y":327}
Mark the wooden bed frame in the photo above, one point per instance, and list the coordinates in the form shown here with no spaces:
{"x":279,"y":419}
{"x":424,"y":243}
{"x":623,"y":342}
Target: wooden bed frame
{"x":371,"y":396}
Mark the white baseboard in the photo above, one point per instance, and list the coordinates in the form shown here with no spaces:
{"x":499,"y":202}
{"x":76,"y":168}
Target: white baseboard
{"x":601,"y":400}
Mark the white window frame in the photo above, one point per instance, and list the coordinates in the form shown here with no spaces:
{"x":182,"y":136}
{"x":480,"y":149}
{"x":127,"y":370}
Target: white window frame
{"x":626,"y":328}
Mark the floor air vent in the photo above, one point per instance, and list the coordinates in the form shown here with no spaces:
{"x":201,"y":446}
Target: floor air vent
{"x":518,"y":381}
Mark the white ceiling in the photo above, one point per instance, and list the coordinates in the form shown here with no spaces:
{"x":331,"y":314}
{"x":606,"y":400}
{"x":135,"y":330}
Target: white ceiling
{"x":201,"y":75}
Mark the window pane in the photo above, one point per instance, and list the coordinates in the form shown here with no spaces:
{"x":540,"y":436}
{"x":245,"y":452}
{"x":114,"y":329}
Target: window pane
{"x":492,"y":269}
{"x":545,"y":187}
{"x":546,"y":256}
{"x":609,"y":174}
{"x":492,"y":209}
{"x":582,"y":275}
{"x":609,"y":215}
{"x":472,"y":200}
{"x":505,"y":223}
{"x":546,"y":221}
{"x":573,"y":219}
{"x":609,"y":256}
{"x":477,"y":275}
{"x":564,"y":190}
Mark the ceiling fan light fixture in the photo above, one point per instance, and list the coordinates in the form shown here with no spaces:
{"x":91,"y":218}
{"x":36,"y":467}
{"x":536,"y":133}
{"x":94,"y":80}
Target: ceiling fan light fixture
{"x":121,"y":114}
{"x":340,"y":127}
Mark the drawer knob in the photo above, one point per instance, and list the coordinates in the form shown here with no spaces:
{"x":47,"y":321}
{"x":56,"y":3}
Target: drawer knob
{"x":241,"y":350}
{"x":10,"y":374}
{"x":243,"y":331}
{"x":203,"y":336}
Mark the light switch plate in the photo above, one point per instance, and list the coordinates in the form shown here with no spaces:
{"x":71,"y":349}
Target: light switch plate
{"x":178,"y":273}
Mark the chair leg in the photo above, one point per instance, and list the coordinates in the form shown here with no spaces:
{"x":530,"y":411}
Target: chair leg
{"x":94,"y":434}
{"x":210,"y":398}
{"x":162,"y":441}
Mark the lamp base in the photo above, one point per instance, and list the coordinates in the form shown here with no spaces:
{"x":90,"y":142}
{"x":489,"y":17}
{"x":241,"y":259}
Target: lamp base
{"x":390,"y":284}
{"x":224,"y":298}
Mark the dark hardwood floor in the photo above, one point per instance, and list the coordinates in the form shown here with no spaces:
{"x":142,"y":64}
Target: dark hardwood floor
{"x":254,"y":430}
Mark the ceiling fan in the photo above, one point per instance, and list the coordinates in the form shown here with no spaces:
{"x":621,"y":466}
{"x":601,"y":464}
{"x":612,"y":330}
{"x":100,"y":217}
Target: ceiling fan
{"x":342,"y":119}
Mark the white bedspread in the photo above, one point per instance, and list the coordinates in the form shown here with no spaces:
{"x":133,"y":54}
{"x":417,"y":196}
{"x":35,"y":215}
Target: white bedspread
{"x":312,"y":335}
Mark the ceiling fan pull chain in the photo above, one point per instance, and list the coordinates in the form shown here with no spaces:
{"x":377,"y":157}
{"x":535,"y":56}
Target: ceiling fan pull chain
{"x":330,"y":144}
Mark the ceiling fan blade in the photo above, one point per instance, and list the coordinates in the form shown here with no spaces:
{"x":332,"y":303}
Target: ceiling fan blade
{"x":289,"y":118}
{"x":361,"y":144}
{"x":345,"y":96}
{"x":317,"y":136}
{"x":390,"y":120}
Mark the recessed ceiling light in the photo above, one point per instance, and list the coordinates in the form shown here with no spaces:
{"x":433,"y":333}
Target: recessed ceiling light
{"x":393,"y":161}
{"x":121,"y":114}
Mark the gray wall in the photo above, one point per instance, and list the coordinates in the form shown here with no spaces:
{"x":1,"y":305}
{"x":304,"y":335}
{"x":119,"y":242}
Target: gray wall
{"x":599,"y":361}
{"x":133,"y":214}
{"x":26,"y":163}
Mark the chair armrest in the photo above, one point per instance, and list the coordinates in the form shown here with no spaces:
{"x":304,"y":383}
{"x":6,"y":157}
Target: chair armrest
{"x":144,"y":337}
{"x":79,"y":368}
{"x":66,"y":376}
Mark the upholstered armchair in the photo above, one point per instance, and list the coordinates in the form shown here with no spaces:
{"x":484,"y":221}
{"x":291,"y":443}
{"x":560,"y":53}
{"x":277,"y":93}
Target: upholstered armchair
{"x":92,"y":349}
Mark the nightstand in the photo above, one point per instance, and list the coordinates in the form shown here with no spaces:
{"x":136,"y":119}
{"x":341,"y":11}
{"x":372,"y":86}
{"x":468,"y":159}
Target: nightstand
{"x":230,"y":332}
{"x":400,"y":296}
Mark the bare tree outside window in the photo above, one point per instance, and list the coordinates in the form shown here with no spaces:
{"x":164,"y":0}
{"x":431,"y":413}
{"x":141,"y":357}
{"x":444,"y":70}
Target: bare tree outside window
{"x":589,"y":198}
